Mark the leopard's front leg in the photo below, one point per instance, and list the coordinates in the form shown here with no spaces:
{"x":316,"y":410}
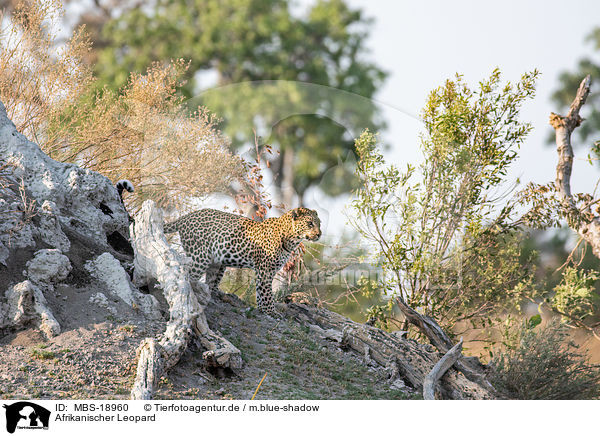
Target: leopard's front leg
{"x":265,"y":300}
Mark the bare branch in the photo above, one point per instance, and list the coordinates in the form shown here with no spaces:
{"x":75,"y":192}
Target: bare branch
{"x":471,"y":368}
{"x":564,"y":127}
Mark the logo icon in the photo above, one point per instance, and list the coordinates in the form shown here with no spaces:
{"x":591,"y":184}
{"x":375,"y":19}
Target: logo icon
{"x":26,"y":415}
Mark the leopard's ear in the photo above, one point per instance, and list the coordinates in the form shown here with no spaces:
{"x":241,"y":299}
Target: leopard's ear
{"x":294,"y":214}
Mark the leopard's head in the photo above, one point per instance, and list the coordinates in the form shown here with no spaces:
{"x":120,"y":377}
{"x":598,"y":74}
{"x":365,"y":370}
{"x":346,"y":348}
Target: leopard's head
{"x":307,"y":224}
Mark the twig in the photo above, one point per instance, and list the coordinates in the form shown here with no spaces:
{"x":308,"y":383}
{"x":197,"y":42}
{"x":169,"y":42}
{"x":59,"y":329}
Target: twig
{"x":258,"y":387}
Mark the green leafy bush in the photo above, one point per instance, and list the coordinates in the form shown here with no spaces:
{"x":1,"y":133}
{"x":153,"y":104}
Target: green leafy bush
{"x":574,"y":298}
{"x":447,"y":242}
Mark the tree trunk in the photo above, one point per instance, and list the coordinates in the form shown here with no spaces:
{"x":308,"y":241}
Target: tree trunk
{"x":581,"y":219}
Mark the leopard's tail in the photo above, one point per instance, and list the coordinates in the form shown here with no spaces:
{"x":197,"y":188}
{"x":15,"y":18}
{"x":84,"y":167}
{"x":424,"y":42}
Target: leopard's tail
{"x":122,"y":185}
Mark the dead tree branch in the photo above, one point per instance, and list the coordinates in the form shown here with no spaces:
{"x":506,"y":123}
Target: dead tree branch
{"x":440,"y":368}
{"x":469,"y":366}
{"x":581,"y":219}
{"x":407,"y":358}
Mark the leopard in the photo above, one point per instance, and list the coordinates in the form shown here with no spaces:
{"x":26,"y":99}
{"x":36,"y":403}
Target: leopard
{"x":215,"y":240}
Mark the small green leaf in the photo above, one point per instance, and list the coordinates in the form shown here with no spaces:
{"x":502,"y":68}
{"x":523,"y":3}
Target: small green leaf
{"x":534,"y":321}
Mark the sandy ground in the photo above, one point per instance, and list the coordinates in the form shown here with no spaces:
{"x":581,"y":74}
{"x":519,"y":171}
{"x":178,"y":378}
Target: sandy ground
{"x":94,"y":357}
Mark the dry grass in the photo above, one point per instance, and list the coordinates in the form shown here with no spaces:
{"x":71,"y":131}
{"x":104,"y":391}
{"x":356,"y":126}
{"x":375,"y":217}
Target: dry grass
{"x":147,"y":136}
{"x":39,"y":78}
{"x":546,"y":365}
{"x":142,"y":133}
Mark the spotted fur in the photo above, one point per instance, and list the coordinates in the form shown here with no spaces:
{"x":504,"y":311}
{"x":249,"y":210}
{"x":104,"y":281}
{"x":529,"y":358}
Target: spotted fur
{"x":216,"y":240}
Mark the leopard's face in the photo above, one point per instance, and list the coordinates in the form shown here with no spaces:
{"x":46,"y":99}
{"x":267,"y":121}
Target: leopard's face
{"x":307,"y":224}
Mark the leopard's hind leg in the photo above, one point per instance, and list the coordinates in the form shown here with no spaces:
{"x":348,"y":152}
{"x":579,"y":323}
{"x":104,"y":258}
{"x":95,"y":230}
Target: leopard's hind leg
{"x":214,"y":274}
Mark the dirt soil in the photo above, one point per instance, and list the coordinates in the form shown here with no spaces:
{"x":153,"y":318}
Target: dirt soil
{"x":94,"y":357}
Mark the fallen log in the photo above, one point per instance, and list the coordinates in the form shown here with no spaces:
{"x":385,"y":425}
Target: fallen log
{"x":404,"y":357}
{"x":156,"y":260}
{"x":469,"y":366}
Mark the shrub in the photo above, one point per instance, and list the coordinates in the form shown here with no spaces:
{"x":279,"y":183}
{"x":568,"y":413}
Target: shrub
{"x":447,"y":241}
{"x":545,"y":365}
{"x":39,"y":78}
{"x":574,"y":297}
{"x":143,"y":132}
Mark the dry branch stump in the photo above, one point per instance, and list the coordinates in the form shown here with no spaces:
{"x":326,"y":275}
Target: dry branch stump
{"x":440,"y":369}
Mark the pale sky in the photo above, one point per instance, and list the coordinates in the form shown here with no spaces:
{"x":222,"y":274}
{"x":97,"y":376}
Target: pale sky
{"x":422,"y":43}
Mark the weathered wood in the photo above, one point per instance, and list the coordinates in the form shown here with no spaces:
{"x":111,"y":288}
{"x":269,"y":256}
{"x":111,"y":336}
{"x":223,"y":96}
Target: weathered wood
{"x":583,"y":220}
{"x":150,"y":366}
{"x":410,"y":360}
{"x":471,"y":367}
{"x":155,"y":259}
{"x":426,"y":325}
{"x":440,"y":369}
{"x":564,"y":127}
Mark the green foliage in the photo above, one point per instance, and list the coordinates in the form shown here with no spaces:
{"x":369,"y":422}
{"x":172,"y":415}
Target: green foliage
{"x":314,"y":63}
{"x":566,"y":278}
{"x":447,"y":246}
{"x":534,"y":321}
{"x":545,"y":365}
{"x":381,"y":315}
{"x":494,"y":277}
{"x":244,"y":40}
{"x":42,"y":354}
{"x":575,"y":297}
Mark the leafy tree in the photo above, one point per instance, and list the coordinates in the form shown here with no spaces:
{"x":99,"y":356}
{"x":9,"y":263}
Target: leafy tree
{"x":449,"y":244}
{"x":247,"y":41}
{"x":569,"y":82}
